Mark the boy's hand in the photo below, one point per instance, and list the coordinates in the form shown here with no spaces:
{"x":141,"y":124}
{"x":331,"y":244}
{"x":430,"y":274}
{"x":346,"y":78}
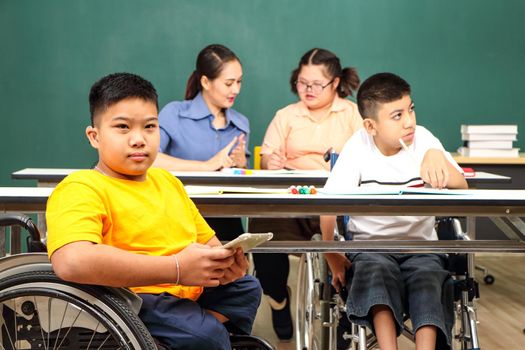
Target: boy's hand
{"x":238,"y":154}
{"x":222,"y":158}
{"x":202,"y":265}
{"x":276,"y":160}
{"x":434,"y":169}
{"x":237,"y":269}
{"x":338,"y":264}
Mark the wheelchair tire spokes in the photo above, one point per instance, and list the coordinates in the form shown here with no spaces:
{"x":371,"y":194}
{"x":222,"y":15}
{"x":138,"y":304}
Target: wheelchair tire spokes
{"x":39,"y":311}
{"x":312,"y":310}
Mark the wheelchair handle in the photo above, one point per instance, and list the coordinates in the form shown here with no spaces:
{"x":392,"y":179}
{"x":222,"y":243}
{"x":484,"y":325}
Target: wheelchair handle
{"x":34,"y":244}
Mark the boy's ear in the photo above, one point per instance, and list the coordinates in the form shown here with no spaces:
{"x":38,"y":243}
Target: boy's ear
{"x":92,"y":135}
{"x":370,"y":126}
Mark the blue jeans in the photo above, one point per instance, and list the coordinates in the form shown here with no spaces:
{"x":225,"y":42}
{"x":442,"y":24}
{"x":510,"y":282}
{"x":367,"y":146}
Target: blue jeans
{"x":412,"y":284}
{"x":184,"y":324}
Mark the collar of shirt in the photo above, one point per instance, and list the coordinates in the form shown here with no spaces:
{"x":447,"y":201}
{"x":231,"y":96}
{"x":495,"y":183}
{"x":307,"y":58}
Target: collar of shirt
{"x":337,"y":106}
{"x":198,"y":109}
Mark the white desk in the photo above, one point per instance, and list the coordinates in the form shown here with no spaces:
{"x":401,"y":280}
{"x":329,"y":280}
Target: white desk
{"x":506,"y":203}
{"x":47,"y":177}
{"x":505,"y":206}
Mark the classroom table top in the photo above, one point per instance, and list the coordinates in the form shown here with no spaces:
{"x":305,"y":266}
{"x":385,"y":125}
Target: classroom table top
{"x":508,"y":204}
{"x":266,"y":178}
{"x":470,"y":203}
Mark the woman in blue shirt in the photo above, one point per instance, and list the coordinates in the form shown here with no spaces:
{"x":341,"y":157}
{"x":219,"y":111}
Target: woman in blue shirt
{"x":203,"y":132}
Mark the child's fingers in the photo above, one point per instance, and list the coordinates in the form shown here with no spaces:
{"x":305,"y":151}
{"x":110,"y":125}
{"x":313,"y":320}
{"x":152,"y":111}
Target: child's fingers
{"x":440,"y":179}
{"x":275,"y":163}
{"x":337,"y":283}
{"x":219,"y":253}
{"x":276,"y":153}
{"x":434,"y":179}
{"x":240,"y":259}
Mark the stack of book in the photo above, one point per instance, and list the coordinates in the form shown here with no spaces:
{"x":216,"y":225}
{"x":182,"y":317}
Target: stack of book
{"x":489,"y":141}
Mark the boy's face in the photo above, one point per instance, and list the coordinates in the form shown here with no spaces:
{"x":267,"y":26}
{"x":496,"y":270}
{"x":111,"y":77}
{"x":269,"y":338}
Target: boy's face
{"x":127,"y":138}
{"x":394,"y":120}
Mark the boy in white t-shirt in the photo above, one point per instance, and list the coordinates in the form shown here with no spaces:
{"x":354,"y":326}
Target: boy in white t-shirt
{"x":385,"y":286}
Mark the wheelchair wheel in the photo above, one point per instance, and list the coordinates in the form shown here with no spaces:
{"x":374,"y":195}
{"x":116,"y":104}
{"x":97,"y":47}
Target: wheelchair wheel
{"x":40,"y":311}
{"x":312,"y":302}
{"x":489,"y":279}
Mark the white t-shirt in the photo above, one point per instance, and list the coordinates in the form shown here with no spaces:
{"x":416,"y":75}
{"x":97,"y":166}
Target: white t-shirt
{"x":361,"y":163}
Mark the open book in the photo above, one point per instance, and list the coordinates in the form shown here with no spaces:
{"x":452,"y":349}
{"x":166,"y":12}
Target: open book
{"x":381,"y":190}
{"x":195,"y":190}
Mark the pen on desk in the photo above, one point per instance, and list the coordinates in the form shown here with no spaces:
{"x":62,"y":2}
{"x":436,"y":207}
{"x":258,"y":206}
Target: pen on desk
{"x":410,"y":153}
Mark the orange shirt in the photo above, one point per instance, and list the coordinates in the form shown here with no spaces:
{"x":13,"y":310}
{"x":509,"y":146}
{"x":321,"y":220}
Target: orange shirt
{"x":304,"y":140}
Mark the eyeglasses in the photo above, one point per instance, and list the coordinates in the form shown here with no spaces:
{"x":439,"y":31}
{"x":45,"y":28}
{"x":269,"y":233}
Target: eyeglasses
{"x":316,"y":88}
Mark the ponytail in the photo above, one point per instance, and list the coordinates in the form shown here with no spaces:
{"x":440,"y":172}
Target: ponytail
{"x":192,"y":86}
{"x":349,"y":82}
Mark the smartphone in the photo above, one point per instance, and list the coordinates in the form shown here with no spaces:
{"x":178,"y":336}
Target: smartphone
{"x":248,"y":241}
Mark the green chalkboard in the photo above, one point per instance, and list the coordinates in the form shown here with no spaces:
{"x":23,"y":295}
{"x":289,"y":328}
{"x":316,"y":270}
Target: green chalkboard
{"x":464,"y":60}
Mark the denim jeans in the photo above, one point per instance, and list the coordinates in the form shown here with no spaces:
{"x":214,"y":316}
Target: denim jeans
{"x":184,"y":324}
{"x":412,"y":284}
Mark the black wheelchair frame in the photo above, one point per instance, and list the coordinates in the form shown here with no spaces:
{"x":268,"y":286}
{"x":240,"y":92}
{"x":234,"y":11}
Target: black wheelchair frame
{"x":320,"y":310}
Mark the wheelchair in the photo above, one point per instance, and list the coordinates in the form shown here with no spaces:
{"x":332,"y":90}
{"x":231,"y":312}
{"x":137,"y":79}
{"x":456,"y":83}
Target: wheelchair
{"x":320,"y":311}
{"x":41,"y":311}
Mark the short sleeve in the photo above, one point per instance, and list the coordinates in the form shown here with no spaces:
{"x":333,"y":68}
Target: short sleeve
{"x":346,"y":174}
{"x":275,"y":137}
{"x":426,"y":141}
{"x":203,"y":230}
{"x":74,"y":213}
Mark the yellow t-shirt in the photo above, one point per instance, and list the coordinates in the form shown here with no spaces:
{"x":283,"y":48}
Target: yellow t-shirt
{"x":153,"y":217}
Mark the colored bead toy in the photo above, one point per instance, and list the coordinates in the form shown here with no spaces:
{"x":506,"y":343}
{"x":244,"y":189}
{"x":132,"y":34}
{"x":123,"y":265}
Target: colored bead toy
{"x":299,"y":189}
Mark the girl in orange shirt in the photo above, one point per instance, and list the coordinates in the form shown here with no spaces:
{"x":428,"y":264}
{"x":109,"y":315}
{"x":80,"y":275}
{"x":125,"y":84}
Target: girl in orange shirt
{"x":297,"y":138}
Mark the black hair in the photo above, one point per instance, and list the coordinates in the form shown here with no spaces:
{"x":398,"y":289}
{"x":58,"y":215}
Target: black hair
{"x":348,"y":77}
{"x":116,"y":87}
{"x":378,"y":89}
{"x":210,"y":63}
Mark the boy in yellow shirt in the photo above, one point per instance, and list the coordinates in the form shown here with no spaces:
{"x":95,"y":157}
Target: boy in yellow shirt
{"x":124,"y":224}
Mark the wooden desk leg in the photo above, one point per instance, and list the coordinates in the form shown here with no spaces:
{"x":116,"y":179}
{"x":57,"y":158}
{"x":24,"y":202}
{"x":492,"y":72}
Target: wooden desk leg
{"x":16,"y":240}
{"x":2,"y":241}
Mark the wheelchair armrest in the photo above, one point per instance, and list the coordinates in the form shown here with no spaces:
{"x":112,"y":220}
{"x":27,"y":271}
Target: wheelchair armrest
{"x":449,"y":228}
